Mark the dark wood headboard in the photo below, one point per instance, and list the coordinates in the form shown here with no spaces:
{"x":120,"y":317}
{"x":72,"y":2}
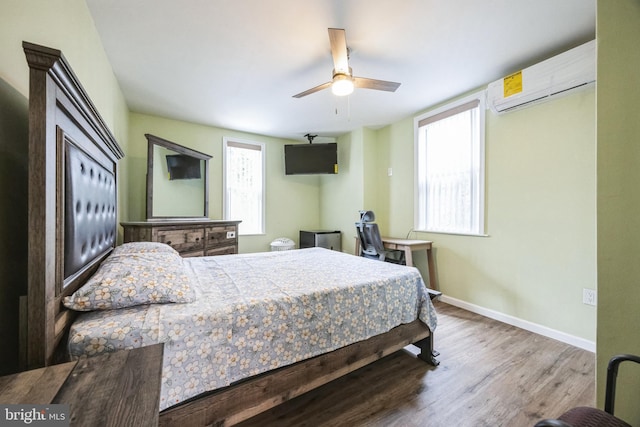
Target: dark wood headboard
{"x":72,"y":198}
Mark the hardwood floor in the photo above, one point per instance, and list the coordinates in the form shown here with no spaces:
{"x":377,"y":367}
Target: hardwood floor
{"x":490,"y":374}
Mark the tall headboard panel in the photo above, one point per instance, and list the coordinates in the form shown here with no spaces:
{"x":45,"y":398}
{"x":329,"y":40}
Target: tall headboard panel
{"x":72,"y":198}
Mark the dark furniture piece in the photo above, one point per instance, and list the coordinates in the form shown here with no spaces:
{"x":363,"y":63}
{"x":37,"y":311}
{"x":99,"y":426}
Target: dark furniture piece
{"x":189,"y":238}
{"x":593,"y":417}
{"x":329,"y":239}
{"x":371,"y":245}
{"x":114,"y":389}
{"x":71,"y":232}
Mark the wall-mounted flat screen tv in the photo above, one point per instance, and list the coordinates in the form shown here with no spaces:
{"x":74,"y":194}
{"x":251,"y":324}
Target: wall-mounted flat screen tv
{"x":181,"y":166}
{"x":311,"y":158}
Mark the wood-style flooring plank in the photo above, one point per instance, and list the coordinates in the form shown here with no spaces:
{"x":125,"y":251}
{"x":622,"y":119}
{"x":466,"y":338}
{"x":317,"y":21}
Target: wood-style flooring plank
{"x":490,"y":374}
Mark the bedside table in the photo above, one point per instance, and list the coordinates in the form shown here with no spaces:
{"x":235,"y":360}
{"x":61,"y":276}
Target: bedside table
{"x":114,"y":389}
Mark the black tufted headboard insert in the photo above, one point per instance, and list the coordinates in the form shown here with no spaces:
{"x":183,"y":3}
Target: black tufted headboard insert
{"x":90,"y":209}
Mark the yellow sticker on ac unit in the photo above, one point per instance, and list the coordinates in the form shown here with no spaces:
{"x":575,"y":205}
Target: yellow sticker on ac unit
{"x":335,"y":168}
{"x":512,"y":84}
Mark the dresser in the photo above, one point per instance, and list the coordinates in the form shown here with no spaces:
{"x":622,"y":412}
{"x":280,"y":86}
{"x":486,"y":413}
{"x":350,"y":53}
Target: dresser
{"x":189,"y":238}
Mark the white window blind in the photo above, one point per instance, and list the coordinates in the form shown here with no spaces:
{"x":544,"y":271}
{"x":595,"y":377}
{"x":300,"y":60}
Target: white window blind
{"x":244,"y":184}
{"x":450,"y":168}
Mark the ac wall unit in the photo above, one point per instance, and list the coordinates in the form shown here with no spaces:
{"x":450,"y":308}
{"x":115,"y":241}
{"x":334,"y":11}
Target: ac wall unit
{"x":573,"y":69}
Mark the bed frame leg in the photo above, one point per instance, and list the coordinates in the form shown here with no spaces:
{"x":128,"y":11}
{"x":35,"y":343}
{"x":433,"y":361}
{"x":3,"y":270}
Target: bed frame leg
{"x":427,"y":353}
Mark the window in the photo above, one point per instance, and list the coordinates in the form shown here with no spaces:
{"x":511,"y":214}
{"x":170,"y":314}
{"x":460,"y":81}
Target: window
{"x":244,"y":184}
{"x":449,"y":153}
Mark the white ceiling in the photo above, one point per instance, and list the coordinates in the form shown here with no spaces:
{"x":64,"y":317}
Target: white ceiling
{"x":236,"y":63}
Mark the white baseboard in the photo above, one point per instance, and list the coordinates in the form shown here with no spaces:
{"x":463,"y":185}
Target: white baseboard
{"x":523,"y":324}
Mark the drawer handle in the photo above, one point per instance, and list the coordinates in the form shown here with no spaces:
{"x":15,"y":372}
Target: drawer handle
{"x":197,"y":239}
{"x":169,"y":242}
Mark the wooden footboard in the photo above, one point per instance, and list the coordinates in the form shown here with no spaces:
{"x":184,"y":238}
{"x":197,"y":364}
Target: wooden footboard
{"x":247,"y":398}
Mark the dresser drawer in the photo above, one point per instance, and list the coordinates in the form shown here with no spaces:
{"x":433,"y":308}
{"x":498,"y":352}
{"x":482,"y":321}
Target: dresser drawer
{"x":183,"y":241}
{"x":222,"y":250}
{"x":192,"y":254}
{"x":220,"y":239}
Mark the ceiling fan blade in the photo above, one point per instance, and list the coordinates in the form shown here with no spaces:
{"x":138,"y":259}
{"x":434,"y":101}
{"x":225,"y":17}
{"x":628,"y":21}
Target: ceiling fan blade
{"x":365,"y":83}
{"x":338,"y":40}
{"x":313,"y":90}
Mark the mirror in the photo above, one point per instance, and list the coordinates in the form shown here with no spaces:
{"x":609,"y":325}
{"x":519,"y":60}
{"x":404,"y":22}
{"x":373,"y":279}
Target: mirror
{"x":177,"y":181}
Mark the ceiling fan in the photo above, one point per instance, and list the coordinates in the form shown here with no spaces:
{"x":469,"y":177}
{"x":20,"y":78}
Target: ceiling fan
{"x":343,"y":81}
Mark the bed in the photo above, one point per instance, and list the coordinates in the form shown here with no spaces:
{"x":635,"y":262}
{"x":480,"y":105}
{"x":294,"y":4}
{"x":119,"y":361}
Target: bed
{"x":73,"y":206}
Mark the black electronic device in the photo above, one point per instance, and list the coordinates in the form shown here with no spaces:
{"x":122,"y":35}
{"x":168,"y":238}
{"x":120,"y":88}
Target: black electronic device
{"x":311,"y":158}
{"x":181,"y":166}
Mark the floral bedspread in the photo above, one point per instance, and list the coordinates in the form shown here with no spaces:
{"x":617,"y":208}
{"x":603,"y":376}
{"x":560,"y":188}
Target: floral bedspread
{"x":257,"y":312}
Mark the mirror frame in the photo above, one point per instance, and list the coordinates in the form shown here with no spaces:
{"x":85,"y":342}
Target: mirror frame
{"x":152,"y":141}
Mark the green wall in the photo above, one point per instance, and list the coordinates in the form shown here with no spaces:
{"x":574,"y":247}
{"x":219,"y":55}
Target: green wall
{"x":342,"y":193}
{"x":292,"y":202}
{"x":618,"y":202}
{"x":395,"y":145}
{"x":353,"y":189}
{"x":540,"y":216}
{"x":68,"y":26}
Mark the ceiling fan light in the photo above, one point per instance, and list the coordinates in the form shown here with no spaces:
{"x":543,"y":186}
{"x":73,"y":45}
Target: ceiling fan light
{"x":342,"y":85}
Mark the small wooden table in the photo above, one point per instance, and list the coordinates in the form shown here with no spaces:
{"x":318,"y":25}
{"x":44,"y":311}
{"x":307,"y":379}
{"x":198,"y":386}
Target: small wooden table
{"x":115,"y":389}
{"x":408,"y":246}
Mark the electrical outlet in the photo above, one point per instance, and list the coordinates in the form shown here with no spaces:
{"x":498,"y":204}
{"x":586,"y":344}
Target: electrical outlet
{"x":231,"y":234}
{"x":589,"y":296}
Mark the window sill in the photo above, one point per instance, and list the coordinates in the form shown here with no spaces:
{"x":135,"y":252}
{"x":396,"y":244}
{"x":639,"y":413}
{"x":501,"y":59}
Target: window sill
{"x":452,"y":233}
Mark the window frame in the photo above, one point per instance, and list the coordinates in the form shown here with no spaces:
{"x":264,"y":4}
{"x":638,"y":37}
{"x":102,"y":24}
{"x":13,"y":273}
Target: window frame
{"x":480,"y":97}
{"x":260,"y":146}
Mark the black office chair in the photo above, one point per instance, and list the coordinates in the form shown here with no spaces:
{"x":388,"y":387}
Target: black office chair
{"x":371,"y":243}
{"x":593,"y":417}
